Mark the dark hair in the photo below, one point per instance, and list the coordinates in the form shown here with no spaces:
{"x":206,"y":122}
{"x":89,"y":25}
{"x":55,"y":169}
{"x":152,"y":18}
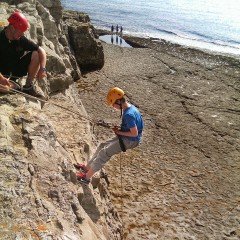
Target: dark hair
{"x":122,"y":100}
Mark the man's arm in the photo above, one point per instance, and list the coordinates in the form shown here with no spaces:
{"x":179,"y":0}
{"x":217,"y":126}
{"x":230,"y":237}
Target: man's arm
{"x":4,"y":81}
{"x":132,"y":133}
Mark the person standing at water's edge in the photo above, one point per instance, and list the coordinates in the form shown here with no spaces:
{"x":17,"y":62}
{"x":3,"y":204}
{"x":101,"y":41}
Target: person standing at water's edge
{"x":112,"y":28}
{"x":128,"y":136}
{"x":121,"y":30}
{"x":19,"y":56}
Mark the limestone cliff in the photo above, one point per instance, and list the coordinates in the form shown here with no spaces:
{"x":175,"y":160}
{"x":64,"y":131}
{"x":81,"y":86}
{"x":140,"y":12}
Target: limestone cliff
{"x":40,"y":197}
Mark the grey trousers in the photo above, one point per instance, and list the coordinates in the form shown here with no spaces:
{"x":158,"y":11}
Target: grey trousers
{"x":106,"y":150}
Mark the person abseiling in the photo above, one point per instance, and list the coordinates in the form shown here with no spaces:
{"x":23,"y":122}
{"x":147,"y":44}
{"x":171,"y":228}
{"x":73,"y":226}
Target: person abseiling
{"x":128,"y":136}
{"x":20,"y":56}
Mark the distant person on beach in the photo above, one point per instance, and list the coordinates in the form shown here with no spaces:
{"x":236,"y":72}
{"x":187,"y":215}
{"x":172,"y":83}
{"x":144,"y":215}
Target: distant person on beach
{"x":128,"y":136}
{"x":117,"y":28}
{"x":19,"y":56}
{"x":112,"y":28}
{"x":121,"y":29}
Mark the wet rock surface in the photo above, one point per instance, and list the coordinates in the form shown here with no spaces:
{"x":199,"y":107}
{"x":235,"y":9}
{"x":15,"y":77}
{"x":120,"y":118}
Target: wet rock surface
{"x":183,"y":181}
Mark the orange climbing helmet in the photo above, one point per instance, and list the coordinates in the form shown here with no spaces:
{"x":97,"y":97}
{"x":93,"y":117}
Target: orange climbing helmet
{"x":114,"y":94}
{"x":19,"y":21}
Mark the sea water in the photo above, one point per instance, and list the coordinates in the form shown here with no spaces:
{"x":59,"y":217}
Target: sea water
{"x":206,"y":24}
{"x":115,"y":39}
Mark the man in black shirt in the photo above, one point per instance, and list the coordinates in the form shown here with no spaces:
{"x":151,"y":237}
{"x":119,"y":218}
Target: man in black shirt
{"x":20,"y":56}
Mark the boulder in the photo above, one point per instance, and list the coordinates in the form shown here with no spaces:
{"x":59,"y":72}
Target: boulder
{"x":87,"y":48}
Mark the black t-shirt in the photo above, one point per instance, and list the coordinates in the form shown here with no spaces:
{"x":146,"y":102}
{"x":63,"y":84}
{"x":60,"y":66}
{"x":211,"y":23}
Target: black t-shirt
{"x":12,"y":51}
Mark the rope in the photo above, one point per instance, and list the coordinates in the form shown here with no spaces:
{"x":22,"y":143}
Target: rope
{"x":17,"y":77}
{"x":99,"y":123}
{"x":121,"y":179}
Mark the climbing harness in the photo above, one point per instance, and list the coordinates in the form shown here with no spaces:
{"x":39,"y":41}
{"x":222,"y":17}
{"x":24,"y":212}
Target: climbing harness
{"x":123,"y":148}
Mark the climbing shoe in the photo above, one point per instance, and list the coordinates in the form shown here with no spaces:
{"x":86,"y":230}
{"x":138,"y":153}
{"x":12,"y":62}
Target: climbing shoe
{"x":34,"y":90}
{"x":30,"y":91}
{"x":81,"y":167}
{"x":82,"y":178}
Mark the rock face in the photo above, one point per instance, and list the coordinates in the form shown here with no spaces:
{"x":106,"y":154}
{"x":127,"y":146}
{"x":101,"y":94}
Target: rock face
{"x":39,"y":194}
{"x":87,"y":49}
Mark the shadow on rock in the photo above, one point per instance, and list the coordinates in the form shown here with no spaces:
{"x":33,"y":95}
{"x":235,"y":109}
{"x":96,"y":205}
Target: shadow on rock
{"x":88,"y":203}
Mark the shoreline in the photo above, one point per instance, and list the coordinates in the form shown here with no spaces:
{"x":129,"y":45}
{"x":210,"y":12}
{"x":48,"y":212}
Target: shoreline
{"x":170,"y":47}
